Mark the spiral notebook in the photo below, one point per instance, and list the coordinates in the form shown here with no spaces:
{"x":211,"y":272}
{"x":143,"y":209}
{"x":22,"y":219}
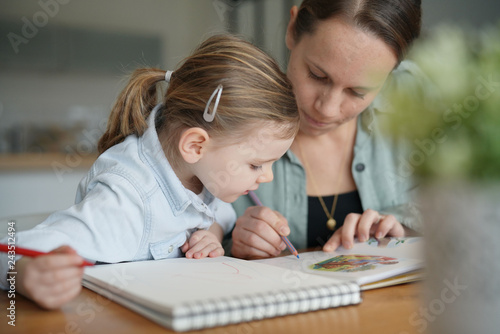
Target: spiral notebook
{"x":188,"y":294}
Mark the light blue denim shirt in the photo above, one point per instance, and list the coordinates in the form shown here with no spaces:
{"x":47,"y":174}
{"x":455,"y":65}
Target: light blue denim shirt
{"x":130,"y":207}
{"x":377,"y":168}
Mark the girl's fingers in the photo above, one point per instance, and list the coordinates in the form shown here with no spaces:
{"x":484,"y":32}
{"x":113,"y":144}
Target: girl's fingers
{"x":217,"y":252}
{"x":54,"y":299}
{"x":54,"y":261}
{"x":206,"y":250}
{"x":201,"y":244}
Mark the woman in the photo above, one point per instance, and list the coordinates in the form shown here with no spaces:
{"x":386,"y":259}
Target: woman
{"x":341,"y":179}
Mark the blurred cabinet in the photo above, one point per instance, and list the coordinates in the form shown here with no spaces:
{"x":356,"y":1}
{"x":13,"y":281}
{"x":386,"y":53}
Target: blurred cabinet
{"x":39,"y":183}
{"x":59,"y":48}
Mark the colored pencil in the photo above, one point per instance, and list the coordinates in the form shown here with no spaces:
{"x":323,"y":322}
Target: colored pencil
{"x":30,"y":252}
{"x":257,"y":201}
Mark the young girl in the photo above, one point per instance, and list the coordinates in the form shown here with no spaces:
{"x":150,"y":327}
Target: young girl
{"x":162,"y":185}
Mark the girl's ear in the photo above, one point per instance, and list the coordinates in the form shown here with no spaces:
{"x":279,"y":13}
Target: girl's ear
{"x":289,"y":37}
{"x":193,"y":144}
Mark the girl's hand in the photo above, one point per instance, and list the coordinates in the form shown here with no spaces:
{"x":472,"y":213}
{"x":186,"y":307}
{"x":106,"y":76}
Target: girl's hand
{"x":51,"y":280}
{"x":363,"y":226}
{"x":257,"y":233}
{"x":201,"y":244}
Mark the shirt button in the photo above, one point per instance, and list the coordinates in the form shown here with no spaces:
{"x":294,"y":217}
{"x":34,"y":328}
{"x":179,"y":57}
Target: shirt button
{"x":170,"y":249}
{"x":360,"y":167}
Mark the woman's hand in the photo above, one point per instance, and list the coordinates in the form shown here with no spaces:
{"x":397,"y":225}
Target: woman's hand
{"x":258,"y":232}
{"x":202,"y":243}
{"x":363,"y":226}
{"x":51,"y":280}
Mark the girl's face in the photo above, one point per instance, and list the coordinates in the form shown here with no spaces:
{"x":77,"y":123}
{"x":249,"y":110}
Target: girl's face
{"x":229,"y":171}
{"x":336,"y":73}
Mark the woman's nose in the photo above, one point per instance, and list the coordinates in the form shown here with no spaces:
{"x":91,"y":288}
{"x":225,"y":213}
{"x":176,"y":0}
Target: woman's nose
{"x":328,"y":103}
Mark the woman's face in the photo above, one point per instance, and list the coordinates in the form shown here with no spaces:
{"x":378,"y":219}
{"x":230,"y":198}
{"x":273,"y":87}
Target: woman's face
{"x":336,"y":73}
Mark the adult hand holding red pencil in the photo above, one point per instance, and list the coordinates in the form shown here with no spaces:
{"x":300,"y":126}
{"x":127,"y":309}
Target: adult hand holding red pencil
{"x":50,"y":280}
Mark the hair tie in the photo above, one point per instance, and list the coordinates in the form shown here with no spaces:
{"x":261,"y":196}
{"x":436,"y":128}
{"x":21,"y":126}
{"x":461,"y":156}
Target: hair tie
{"x":168,"y":75}
{"x":210,"y":117}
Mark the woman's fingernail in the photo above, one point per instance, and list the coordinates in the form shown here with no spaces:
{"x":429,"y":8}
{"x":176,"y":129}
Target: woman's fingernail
{"x":378,"y":235}
{"x":348,"y":245}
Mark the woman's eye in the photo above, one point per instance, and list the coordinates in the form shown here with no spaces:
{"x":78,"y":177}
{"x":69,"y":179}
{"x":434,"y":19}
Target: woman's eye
{"x":357,"y":94}
{"x":316,"y":77}
{"x":254,"y":167}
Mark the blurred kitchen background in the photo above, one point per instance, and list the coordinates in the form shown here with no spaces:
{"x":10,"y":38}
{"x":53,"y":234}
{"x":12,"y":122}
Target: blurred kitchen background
{"x":63,"y":62}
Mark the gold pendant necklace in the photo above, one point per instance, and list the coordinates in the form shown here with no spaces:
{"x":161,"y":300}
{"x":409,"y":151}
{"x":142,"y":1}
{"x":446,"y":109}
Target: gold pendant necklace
{"x":330,"y":223}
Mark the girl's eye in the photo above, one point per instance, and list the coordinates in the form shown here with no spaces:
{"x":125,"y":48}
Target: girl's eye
{"x":315,"y":77}
{"x":253,"y":167}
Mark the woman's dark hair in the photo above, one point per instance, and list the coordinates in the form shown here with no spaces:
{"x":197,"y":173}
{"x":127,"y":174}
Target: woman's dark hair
{"x":396,"y":22}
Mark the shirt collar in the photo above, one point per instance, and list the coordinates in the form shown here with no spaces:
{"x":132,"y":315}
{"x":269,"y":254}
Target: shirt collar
{"x":177,"y":195}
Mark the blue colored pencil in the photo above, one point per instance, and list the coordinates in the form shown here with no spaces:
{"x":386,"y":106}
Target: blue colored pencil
{"x":257,"y":201}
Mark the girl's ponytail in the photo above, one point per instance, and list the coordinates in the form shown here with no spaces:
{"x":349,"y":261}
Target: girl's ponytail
{"x":132,"y":108}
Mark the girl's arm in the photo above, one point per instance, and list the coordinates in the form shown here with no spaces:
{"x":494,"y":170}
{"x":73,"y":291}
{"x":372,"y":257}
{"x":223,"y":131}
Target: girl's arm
{"x":216,"y":229}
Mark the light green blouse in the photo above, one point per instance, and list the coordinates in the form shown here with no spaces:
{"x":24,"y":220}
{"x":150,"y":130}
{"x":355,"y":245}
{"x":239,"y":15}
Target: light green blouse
{"x":380,"y":169}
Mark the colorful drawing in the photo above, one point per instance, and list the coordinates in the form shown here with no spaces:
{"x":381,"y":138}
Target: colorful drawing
{"x":353,"y":263}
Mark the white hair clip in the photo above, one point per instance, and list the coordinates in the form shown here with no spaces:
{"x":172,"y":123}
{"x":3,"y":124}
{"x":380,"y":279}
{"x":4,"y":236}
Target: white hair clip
{"x":210,"y":117}
{"x":168,"y":75}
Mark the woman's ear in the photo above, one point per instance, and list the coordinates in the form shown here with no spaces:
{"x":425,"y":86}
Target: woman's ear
{"x":289,"y":37}
{"x":193,"y":144}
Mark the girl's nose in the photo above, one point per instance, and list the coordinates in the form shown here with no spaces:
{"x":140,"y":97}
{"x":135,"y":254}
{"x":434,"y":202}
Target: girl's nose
{"x":266,"y":176}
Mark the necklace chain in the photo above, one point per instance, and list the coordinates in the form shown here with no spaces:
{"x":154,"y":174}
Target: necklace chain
{"x":329,"y":214}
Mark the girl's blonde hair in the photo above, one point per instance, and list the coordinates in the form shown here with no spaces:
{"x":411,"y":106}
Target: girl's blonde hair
{"x":255,"y":92}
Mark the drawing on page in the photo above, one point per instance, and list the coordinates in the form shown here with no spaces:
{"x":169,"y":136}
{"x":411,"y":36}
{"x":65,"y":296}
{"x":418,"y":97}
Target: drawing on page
{"x":353,"y":262}
{"x":232,"y":274}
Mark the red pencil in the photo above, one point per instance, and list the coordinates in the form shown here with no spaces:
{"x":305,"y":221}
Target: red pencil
{"x":30,"y":252}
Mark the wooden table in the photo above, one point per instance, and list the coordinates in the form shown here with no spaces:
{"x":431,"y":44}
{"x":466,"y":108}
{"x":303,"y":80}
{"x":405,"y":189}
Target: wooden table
{"x":386,"y":310}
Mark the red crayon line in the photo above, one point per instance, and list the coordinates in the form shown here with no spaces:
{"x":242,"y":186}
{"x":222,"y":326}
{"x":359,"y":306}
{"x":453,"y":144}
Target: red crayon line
{"x":257,"y":201}
{"x":30,"y":252}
